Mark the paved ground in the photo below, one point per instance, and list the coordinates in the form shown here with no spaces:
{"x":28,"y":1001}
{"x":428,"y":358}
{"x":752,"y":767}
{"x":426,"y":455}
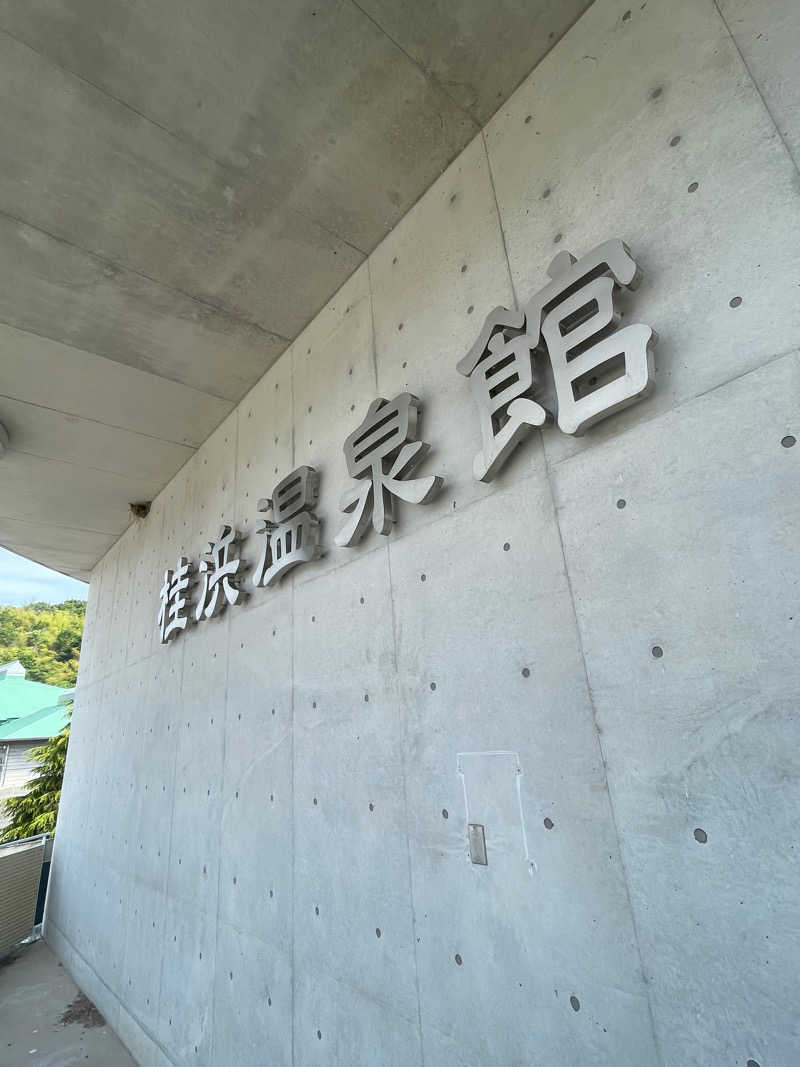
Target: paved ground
{"x":35,"y":992}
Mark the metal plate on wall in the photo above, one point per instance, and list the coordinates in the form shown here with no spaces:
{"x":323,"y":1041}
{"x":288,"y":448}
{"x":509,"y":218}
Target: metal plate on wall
{"x":477,"y":844}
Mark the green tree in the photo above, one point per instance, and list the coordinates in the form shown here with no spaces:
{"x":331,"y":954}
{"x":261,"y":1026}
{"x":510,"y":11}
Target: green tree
{"x":36,"y":810}
{"x":45,"y":638}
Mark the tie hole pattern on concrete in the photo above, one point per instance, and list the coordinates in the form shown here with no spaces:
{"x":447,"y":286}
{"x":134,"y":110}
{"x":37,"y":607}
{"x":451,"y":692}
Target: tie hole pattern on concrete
{"x":458,"y":959}
{"x":575,"y":1004}
{"x":735,"y":302}
{"x":621,"y":503}
{"x":700,"y":836}
{"x":445,"y":813}
{"x":656,"y":651}
{"x":788,"y":441}
{"x":693,"y":187}
{"x":548,"y":823}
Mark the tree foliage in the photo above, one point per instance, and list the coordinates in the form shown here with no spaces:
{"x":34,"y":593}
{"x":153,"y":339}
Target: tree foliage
{"x":45,"y":638}
{"x":35,"y":811}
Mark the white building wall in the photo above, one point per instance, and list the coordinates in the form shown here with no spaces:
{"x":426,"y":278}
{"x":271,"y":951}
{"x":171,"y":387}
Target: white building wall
{"x":245,"y":809}
{"x":19,"y":767}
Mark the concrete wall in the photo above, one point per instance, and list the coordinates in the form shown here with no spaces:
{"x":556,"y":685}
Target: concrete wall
{"x":243,"y":811}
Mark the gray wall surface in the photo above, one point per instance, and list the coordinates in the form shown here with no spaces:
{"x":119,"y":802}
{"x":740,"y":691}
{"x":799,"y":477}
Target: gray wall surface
{"x":19,"y":766}
{"x":245,"y":809}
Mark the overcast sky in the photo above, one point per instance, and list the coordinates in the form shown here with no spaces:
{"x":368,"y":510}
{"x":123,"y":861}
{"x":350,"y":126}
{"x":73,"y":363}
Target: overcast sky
{"x":22,"y":582}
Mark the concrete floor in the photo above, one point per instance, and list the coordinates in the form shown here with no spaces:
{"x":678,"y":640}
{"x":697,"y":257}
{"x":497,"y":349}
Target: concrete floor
{"x":35,"y":991}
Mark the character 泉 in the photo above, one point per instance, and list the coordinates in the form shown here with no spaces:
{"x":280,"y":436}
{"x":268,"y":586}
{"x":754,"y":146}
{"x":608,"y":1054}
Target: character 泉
{"x":218,"y":574}
{"x":382,"y":453}
{"x":292,"y":536}
{"x":171,"y":617}
{"x":598,"y":369}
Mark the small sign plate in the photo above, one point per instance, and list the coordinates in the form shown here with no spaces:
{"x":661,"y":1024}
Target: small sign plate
{"x":477,"y":844}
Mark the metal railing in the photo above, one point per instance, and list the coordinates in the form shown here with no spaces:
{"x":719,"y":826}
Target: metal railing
{"x":24,"y":869}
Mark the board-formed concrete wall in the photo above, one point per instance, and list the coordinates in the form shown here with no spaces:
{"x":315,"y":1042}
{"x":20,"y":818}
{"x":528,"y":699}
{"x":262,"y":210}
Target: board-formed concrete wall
{"x":262,"y":853}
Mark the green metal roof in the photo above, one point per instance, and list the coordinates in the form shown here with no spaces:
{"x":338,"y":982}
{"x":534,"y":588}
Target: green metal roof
{"x":29,"y":711}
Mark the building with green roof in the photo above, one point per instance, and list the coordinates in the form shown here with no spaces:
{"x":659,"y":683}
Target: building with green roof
{"x":30,"y":714}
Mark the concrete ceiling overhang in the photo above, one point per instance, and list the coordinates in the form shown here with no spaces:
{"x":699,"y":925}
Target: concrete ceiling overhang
{"x":182,"y":188}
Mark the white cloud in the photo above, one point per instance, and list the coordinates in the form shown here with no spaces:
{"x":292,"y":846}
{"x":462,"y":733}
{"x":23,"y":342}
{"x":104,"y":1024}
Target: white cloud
{"x":22,"y":581}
